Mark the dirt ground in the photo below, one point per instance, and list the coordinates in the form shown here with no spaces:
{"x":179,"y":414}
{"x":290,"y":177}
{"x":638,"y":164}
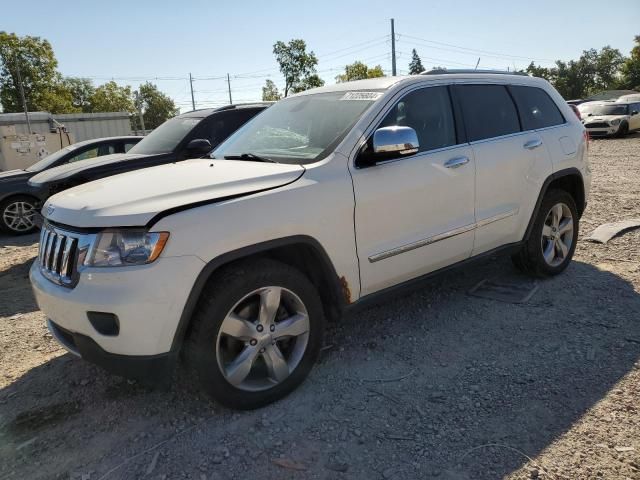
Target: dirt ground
{"x":439,"y":384}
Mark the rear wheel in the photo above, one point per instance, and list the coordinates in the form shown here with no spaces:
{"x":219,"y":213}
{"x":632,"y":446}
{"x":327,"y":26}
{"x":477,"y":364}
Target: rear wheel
{"x":552,"y":241}
{"x":17,"y":215}
{"x":256,"y":333}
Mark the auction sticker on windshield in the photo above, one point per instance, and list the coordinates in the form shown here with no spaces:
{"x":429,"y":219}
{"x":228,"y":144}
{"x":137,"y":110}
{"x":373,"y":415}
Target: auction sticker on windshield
{"x":367,"y":96}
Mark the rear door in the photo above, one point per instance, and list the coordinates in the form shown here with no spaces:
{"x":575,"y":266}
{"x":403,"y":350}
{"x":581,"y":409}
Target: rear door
{"x":505,"y":157}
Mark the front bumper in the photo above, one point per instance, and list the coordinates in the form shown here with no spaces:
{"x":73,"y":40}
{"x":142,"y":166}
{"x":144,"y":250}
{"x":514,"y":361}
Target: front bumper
{"x":151,"y":369}
{"x":148,"y":301}
{"x":602,"y":132}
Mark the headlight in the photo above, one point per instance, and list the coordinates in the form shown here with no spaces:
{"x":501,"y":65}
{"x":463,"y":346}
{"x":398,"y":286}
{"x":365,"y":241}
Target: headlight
{"x":615,"y":122}
{"x":117,"y":248}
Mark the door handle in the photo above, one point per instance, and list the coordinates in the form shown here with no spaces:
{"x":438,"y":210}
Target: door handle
{"x":531,"y":144}
{"x":456,"y":162}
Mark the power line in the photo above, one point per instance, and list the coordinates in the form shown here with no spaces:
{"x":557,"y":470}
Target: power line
{"x":475,"y":51}
{"x":443,"y":62}
{"x":376,"y":39}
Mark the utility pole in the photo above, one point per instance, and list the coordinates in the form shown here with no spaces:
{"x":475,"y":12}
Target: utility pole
{"x":393,"y":49}
{"x":140,"y":116}
{"x":229,"y":85}
{"x":193,"y":102}
{"x":24,"y":100}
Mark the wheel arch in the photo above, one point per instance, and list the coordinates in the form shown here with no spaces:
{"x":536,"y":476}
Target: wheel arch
{"x":569,"y":180}
{"x":9,"y":196}
{"x":300,"y":251}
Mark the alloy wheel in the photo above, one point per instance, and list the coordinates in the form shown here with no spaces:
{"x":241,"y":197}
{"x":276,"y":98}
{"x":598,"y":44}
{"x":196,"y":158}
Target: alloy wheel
{"x":557,"y":235}
{"x":19,"y":216}
{"x":262,"y":339}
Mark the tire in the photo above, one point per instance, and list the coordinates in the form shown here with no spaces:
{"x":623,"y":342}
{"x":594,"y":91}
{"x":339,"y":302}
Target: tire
{"x":218,"y":341}
{"x":551,"y":244}
{"x":623,"y":131}
{"x":17,"y":215}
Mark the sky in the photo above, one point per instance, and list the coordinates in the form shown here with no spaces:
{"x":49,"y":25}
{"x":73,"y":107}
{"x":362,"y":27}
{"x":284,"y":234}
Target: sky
{"x":163,"y":41}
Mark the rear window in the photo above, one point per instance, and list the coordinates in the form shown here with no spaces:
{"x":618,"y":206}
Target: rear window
{"x":488,"y":111}
{"x":536,"y":108}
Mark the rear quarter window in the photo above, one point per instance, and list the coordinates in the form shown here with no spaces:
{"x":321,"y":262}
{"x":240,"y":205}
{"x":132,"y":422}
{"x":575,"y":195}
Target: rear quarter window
{"x":488,"y":111}
{"x":536,"y":108}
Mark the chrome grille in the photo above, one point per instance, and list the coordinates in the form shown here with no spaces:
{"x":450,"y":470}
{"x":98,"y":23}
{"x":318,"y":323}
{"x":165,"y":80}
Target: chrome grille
{"x":58,"y":255}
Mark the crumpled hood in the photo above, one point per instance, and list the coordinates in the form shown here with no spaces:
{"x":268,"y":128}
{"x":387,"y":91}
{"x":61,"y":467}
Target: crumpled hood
{"x":14,"y":175}
{"x":64,"y":171}
{"x":134,"y":198}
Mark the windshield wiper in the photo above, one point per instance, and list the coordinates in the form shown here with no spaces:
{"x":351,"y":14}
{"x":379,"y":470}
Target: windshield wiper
{"x":250,"y":157}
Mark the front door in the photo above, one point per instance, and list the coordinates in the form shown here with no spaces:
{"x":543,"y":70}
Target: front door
{"x":415,"y":214}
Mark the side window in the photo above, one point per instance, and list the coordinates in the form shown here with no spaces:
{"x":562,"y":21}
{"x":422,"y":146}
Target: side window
{"x":107,"y":149}
{"x":536,"y":108}
{"x":91,"y":153}
{"x":222,"y":125}
{"x":428,"y":111}
{"x":128,"y":146}
{"x":488,"y":111}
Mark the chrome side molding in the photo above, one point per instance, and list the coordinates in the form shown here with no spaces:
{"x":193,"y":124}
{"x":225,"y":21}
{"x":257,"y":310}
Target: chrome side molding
{"x":441,"y":236}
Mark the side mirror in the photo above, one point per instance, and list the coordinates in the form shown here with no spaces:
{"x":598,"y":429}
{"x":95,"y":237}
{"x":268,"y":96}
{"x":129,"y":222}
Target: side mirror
{"x":395,"y":141}
{"x":388,"y":143}
{"x":198,"y":147}
{"x":634,"y":112}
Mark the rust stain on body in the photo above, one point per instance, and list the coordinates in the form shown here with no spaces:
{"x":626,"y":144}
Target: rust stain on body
{"x":346,"y":291}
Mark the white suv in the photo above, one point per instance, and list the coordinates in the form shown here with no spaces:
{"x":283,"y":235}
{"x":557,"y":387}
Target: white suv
{"x":321,"y":203}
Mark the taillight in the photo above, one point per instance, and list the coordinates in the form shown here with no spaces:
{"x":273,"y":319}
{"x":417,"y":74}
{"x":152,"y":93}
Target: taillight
{"x":585,"y":134}
{"x":576,"y":111}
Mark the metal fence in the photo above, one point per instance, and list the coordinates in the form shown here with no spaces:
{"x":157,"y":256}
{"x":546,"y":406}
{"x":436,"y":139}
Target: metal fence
{"x":83,"y":126}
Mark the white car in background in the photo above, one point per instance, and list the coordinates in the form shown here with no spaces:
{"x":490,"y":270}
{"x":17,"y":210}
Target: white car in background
{"x":612,"y":118}
{"x":634,"y":97}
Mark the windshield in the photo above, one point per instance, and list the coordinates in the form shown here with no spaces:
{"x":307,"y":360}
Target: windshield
{"x":166,"y":137}
{"x":300,"y":129}
{"x":49,"y":160}
{"x":604,"y":109}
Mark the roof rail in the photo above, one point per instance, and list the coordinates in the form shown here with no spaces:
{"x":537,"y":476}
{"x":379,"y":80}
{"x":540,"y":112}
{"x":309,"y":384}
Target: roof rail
{"x":441,"y":71}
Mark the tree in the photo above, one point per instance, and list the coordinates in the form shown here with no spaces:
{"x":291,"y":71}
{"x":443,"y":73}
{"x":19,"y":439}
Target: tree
{"x":111,"y":97}
{"x":297,"y":66}
{"x":311,"y":81}
{"x":593,"y":72}
{"x":538,"y":71}
{"x":606,"y":64}
{"x":630,"y":69}
{"x":359,"y":71}
{"x":81,"y":91}
{"x":156,"y":107}
{"x":270,"y":92}
{"x":415,"y":67}
{"x":32,"y":59}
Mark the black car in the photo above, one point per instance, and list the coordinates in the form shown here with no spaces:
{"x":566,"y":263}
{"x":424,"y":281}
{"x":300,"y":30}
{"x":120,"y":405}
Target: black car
{"x":19,"y":200}
{"x":190,"y":135}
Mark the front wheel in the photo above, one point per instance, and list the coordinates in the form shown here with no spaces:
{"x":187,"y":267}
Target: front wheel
{"x":256,"y":333}
{"x":17,"y":215}
{"x":623,"y":131}
{"x":552,"y":242}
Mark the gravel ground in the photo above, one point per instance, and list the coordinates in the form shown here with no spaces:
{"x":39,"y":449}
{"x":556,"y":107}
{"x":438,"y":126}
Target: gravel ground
{"x":438,"y":384}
